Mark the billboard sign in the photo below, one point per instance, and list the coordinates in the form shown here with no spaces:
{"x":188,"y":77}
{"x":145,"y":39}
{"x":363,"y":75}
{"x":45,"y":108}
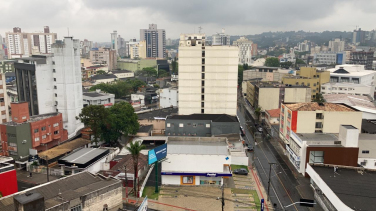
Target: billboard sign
{"x":157,"y":154}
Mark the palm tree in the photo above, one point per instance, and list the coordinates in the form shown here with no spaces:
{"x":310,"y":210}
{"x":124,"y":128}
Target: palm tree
{"x":135,"y":148}
{"x":258,"y":112}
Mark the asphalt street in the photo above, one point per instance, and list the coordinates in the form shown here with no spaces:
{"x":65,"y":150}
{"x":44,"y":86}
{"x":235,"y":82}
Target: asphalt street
{"x":283,"y":185}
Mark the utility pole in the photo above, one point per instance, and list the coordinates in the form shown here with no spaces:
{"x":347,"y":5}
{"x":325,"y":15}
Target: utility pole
{"x":48,"y":176}
{"x":223,"y":197}
{"x":156,"y":177}
{"x":270,"y":170}
{"x":126,"y":182}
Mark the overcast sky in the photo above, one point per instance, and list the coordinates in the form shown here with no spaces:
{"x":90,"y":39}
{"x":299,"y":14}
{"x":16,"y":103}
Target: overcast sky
{"x":96,"y":19}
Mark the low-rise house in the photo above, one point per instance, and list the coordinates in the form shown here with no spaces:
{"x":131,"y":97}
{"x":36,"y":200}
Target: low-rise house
{"x":83,"y":191}
{"x":98,"y":97}
{"x":123,"y":74}
{"x":103,"y":78}
{"x":272,"y":117}
{"x":157,"y":118}
{"x":211,"y":154}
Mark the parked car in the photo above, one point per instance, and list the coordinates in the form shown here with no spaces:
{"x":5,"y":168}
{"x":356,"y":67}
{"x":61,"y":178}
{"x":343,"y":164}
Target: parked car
{"x":249,"y":148}
{"x":260,"y":129}
{"x":241,"y":171}
{"x":242,"y":132}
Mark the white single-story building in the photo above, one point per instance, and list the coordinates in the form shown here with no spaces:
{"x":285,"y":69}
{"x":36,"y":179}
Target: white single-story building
{"x":196,"y":161}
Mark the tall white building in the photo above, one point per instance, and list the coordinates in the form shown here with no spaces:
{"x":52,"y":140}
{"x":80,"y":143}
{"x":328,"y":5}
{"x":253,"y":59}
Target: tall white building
{"x":245,"y":50}
{"x":304,"y":46}
{"x":155,"y":41}
{"x":114,"y":41}
{"x":221,"y":38}
{"x":336,"y":45}
{"x":52,"y":83}
{"x":21,"y":44}
{"x":207,"y":77}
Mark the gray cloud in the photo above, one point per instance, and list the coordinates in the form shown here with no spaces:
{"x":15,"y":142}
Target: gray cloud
{"x":95,"y":19}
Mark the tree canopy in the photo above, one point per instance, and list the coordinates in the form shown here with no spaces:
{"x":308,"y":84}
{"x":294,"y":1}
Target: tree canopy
{"x":147,"y":72}
{"x":240,"y":74}
{"x":100,"y":72}
{"x":286,"y":64}
{"x":175,"y":67}
{"x":120,"y":88}
{"x":272,"y":62}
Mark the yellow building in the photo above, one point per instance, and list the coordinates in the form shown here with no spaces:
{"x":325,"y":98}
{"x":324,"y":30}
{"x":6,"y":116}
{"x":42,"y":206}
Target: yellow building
{"x":269,"y":95}
{"x":142,"y":49}
{"x":308,"y":76}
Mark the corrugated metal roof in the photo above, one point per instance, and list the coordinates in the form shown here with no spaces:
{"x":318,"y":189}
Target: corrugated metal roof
{"x":83,"y":155}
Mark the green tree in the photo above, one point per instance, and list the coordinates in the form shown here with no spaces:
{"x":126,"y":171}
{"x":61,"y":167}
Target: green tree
{"x":156,"y":86}
{"x":319,"y":98}
{"x":136,"y":84}
{"x":272,"y":62}
{"x":101,"y":72}
{"x":135,"y":148}
{"x":121,"y":120}
{"x":300,"y":61}
{"x":286,"y":65}
{"x":163,"y":73}
{"x":240,"y":74}
{"x":149,"y":72}
{"x":175,"y":67}
{"x":258,"y":112}
{"x":94,"y":116}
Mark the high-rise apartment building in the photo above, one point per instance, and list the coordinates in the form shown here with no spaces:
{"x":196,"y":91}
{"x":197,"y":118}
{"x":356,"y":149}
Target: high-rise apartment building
{"x":114,"y":41}
{"x":155,"y":41}
{"x":336,"y":45}
{"x":245,"y":50}
{"x":207,"y":77}
{"x":104,"y":56}
{"x":52,"y":83}
{"x":221,"y":38}
{"x":363,"y":58}
{"x":359,"y":36}
{"x":85,"y":47}
{"x":304,"y":46}
{"x":21,"y":44}
{"x":4,"y":116}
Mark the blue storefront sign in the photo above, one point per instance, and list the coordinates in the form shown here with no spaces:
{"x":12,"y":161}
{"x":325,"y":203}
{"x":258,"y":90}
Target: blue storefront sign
{"x":157,"y":154}
{"x":262,"y":205}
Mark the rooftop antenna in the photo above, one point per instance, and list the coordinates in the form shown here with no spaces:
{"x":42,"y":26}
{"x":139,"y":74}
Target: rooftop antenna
{"x":199,"y":29}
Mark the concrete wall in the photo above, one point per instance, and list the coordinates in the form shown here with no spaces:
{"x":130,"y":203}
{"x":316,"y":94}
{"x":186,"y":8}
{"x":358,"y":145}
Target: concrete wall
{"x":297,"y":95}
{"x":219,"y":128}
{"x":132,"y":66}
{"x":168,"y":97}
{"x":239,"y":160}
{"x":195,"y":163}
{"x":332,"y":120}
{"x":268,"y":98}
{"x":17,"y":134}
{"x":159,"y":125}
{"x":306,"y":122}
{"x":199,"y":130}
{"x":111,"y":196}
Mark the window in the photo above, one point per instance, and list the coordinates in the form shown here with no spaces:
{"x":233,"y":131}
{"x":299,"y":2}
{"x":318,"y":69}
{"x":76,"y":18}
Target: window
{"x":44,"y":137}
{"x":53,"y":62}
{"x":319,"y":116}
{"x":168,"y":125}
{"x":194,"y":124}
{"x":203,"y":69}
{"x":202,"y":111}
{"x":54,"y":71}
{"x":316,"y":157}
{"x":76,"y":208}
{"x":318,"y":125}
{"x":54,"y":79}
{"x":202,"y":104}
{"x":207,"y":125}
{"x":36,"y":130}
{"x":56,"y":132}
{"x":55,"y":95}
{"x":187,"y":179}
{"x":365,"y":151}
{"x":202,"y":83}
{"x":55,"y":87}
{"x":202,"y":75}
{"x":36,"y":139}
{"x":202,"y":90}
{"x":202,"y":97}
{"x":181,"y":124}
{"x":43,"y":128}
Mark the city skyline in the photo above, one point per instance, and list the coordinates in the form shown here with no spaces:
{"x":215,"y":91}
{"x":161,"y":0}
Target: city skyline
{"x":248,"y":17}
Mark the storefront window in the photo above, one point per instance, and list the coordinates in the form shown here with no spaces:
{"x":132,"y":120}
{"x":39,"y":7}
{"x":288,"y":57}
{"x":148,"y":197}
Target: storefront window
{"x":188,"y":180}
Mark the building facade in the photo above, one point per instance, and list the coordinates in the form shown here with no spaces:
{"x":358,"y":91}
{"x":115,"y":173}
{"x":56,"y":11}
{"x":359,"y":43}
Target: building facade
{"x":329,"y":58}
{"x":21,"y":44}
{"x":336,"y":45}
{"x":4,"y":100}
{"x":204,"y":161}
{"x":221,"y":38}
{"x":308,"y":76}
{"x":53,"y":83}
{"x":168,"y":97}
{"x":269,"y":95}
{"x":104,"y":56}
{"x":8,"y":177}
{"x":24,"y":132}
{"x":98,"y":98}
{"x":316,"y":118}
{"x":352,"y":74}
{"x":207,"y":77}
{"x":348,"y":88}
{"x":362,"y":58}
{"x":245,"y":50}
{"x":114,"y":42}
{"x":155,"y":41}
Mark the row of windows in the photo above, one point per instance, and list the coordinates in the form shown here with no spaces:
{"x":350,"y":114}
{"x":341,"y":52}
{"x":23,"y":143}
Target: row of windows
{"x":45,"y":136}
{"x":189,"y":124}
{"x":44,"y":127}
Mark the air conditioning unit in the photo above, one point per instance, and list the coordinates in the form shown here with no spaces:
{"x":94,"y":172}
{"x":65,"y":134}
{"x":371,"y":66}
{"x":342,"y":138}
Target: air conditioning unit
{"x":48,"y":134}
{"x":24,"y":141}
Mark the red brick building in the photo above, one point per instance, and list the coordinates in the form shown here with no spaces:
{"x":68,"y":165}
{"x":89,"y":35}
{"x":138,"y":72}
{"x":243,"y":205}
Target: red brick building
{"x":24,"y":132}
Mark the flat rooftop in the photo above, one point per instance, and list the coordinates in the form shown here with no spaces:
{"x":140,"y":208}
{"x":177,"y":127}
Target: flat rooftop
{"x":353,"y":187}
{"x":273,"y":84}
{"x":97,"y":94}
{"x":83,"y":157}
{"x":318,"y":136}
{"x":159,"y":113}
{"x":212,"y":117}
{"x":350,"y":100}
{"x":64,"y":148}
{"x":197,"y":146}
{"x":33,"y":119}
{"x":319,"y":107}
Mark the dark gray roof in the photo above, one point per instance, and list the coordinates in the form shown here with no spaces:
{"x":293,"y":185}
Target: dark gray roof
{"x":10,"y":74}
{"x":356,"y":190}
{"x":71,"y":187}
{"x":28,"y":197}
{"x":103,"y":76}
{"x":212,"y":117}
{"x":121,"y":71}
{"x":161,"y":113}
{"x":93,"y":94}
{"x":145,"y":128}
{"x":369,"y":126}
{"x":83,"y":157}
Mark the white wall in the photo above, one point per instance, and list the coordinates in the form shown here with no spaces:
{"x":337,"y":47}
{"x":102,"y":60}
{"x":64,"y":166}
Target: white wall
{"x":195,"y":163}
{"x":168,"y":97}
{"x":239,"y":160}
{"x":97,"y":166}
